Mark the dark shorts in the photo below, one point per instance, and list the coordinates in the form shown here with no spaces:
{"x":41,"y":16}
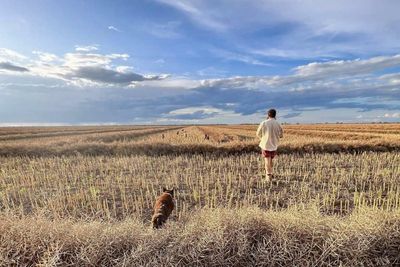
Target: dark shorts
{"x":268,"y":154}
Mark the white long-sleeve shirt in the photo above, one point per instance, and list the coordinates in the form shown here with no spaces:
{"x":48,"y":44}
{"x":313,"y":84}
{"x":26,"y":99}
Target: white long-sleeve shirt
{"x":269,"y":131}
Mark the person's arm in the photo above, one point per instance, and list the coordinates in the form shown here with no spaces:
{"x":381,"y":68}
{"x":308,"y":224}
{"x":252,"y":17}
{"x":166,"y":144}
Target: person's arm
{"x":259,"y":130}
{"x":280,"y":131}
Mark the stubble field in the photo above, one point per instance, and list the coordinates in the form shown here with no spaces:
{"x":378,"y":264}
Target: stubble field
{"x":84,"y":195}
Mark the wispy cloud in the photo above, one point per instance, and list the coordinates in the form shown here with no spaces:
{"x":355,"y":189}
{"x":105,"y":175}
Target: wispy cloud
{"x":168,"y":30}
{"x":91,"y":59}
{"x":234,"y":56}
{"x":300,"y":29}
{"x":198,"y":14}
{"x":10,"y":55}
{"x":113,"y":28}
{"x":86,"y":48}
{"x":347,"y":67}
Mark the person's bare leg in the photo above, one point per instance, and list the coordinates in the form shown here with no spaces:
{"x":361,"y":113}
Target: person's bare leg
{"x":268,"y":168}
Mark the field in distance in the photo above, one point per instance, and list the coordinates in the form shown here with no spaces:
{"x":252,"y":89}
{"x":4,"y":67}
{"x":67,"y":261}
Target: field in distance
{"x":84,"y":195}
{"x":162,"y":140}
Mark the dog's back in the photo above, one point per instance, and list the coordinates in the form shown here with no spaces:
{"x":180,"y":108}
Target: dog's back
{"x":163,"y":207}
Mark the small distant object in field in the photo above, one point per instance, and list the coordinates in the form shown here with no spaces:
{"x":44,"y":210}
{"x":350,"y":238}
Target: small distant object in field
{"x":177,"y":133}
{"x":163,"y":207}
{"x":162,"y":136}
{"x":206,"y":137}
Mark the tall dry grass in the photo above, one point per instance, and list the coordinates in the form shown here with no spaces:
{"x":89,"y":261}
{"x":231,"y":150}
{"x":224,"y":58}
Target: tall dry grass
{"x":222,"y":237}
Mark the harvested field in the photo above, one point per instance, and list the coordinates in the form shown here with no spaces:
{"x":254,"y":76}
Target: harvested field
{"x":223,"y":139}
{"x":84,"y":195}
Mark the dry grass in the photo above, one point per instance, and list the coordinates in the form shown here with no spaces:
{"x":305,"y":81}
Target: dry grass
{"x":222,"y":237}
{"x":82,"y":196}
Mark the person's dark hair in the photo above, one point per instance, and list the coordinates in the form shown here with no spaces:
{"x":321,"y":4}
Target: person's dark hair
{"x":272,"y":113}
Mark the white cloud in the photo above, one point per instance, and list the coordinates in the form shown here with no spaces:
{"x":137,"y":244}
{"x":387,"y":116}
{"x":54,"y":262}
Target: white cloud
{"x":80,"y":68}
{"x":124,"y":69}
{"x":90,"y":59}
{"x":112,"y":28}
{"x":319,"y":85}
{"x":393,"y":78}
{"x":347,"y":67}
{"x":10,"y":55}
{"x":171,"y":83}
{"x":317,"y":72}
{"x":46,"y":57}
{"x":86,"y":48}
{"x":393,"y":115}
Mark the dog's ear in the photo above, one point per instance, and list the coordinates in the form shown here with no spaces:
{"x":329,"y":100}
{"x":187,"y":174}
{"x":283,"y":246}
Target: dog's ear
{"x":172,"y":191}
{"x":164,"y":189}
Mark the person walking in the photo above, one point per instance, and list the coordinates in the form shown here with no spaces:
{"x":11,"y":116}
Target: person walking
{"x":269,"y":131}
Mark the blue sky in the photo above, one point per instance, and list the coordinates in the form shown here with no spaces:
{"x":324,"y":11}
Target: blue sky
{"x":173,"y":62}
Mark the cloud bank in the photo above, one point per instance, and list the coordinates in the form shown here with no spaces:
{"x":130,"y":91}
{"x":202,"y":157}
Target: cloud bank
{"x":84,"y":67}
{"x":121,"y":95}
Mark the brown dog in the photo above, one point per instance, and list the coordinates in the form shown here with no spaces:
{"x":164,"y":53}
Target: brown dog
{"x":163,"y":208}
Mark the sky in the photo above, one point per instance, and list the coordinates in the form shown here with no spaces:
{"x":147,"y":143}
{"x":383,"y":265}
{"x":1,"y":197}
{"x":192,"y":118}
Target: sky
{"x":192,"y":62}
